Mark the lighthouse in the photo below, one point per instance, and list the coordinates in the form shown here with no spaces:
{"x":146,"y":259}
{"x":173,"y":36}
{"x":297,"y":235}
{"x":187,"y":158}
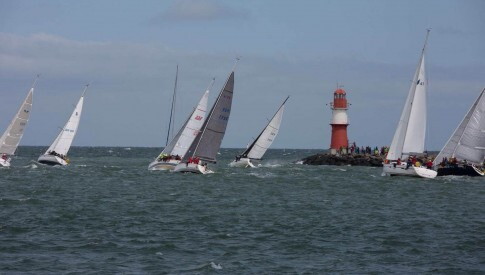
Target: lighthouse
{"x":339,"y":122}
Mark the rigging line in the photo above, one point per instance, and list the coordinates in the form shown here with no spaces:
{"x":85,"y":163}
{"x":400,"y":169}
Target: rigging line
{"x":173,"y":104}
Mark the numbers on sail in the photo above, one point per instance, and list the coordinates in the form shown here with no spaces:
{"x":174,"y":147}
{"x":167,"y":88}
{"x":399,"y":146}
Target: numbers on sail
{"x":226,"y":110}
{"x":198,"y":117}
{"x":221,"y":117}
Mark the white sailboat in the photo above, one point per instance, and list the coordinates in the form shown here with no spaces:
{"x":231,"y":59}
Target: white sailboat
{"x":15,"y":130}
{"x":173,"y":153}
{"x":410,"y":134}
{"x":464,"y":152}
{"x":254,"y":153}
{"x":204,"y":148}
{"x":57,"y":152}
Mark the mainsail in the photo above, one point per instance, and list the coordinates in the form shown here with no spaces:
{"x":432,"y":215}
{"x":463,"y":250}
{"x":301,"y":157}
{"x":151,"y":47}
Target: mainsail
{"x":209,"y":140}
{"x":468,"y":140}
{"x":186,"y":135}
{"x":411,"y":130}
{"x":15,"y":130}
{"x":259,"y":146}
{"x":64,"y":140}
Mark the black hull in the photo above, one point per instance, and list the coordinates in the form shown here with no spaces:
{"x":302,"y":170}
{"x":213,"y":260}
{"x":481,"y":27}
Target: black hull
{"x":458,"y":171}
{"x":51,"y":163}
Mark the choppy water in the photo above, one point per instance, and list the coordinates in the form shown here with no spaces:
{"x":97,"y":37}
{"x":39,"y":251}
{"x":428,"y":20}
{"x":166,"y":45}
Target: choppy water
{"x":107,"y":213}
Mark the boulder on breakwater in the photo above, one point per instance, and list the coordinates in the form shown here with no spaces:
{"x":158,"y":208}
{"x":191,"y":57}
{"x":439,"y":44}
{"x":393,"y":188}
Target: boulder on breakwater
{"x":340,"y":160}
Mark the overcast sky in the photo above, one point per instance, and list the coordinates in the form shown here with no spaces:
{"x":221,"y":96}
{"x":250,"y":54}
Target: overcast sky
{"x":129,"y":51}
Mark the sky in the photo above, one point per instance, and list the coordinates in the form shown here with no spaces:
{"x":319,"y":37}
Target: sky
{"x":129,"y":50}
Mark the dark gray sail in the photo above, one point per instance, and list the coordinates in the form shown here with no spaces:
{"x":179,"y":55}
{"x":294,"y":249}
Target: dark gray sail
{"x":208,"y":141}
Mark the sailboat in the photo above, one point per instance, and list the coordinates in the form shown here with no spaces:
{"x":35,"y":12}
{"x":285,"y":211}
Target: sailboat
{"x":256,"y":150}
{"x":173,"y":153}
{"x":15,"y":130}
{"x":464,"y":152}
{"x":57,"y":152}
{"x":204,"y":148}
{"x":409,"y":138}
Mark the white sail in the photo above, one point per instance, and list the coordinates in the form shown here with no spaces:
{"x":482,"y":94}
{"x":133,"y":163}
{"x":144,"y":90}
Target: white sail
{"x":468,"y":140}
{"x":15,"y":130}
{"x":64,"y":140}
{"x":186,"y":135}
{"x":410,"y":133}
{"x":257,"y":149}
{"x":416,"y":131}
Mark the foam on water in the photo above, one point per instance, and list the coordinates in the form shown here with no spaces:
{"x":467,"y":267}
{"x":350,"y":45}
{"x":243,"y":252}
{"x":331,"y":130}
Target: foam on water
{"x":106,"y":213}
{"x":215,"y":266}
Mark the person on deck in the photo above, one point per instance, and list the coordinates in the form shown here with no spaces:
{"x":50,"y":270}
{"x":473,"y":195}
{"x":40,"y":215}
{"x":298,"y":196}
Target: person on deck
{"x":409,"y":162}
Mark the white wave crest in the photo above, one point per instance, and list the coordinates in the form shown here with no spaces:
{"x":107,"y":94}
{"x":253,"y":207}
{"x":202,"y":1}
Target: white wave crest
{"x":216,"y":266}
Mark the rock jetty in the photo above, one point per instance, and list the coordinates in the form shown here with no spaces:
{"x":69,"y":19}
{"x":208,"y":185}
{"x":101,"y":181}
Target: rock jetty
{"x":340,"y":160}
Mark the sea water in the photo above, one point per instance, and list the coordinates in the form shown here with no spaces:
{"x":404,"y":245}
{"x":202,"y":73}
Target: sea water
{"x":106,"y":213}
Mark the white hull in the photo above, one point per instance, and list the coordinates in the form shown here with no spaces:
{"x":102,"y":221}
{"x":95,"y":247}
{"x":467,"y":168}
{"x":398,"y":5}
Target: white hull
{"x":52,"y":160}
{"x":192,"y":168}
{"x":400,"y":170}
{"x":5,"y":163}
{"x":163,"y":165}
{"x":242,"y":163}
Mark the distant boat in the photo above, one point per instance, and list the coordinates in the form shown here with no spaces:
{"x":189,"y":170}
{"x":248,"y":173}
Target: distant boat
{"x":204,"y":148}
{"x":57,"y":152}
{"x":173,"y":153}
{"x":254,"y":152}
{"x":464,"y":152}
{"x":410,"y":134}
{"x":13,"y":134}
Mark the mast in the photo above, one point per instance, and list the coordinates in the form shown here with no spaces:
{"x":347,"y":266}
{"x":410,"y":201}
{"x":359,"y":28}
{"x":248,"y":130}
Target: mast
{"x":186,"y":132}
{"x":213,"y":130}
{"x":400,"y":139}
{"x":414,"y":101}
{"x":204,"y":126}
{"x":172,"y":115}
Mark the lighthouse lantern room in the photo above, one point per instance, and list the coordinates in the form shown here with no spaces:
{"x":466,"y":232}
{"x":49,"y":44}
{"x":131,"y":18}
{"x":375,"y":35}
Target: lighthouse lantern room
{"x":340,"y":142}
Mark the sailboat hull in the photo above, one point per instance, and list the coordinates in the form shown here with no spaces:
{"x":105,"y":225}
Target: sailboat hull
{"x":163,"y":165}
{"x":4,"y":162}
{"x":392,"y":169}
{"x":192,"y":168}
{"x":242,"y":163}
{"x":52,"y":160}
{"x":466,"y":170}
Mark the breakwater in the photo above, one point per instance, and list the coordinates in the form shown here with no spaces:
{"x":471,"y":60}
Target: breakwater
{"x":340,"y":160}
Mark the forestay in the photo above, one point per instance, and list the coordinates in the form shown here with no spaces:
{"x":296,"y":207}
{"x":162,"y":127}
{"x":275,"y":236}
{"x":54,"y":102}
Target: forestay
{"x":258,"y":148}
{"x":468,"y":140}
{"x":64,"y":140}
{"x":15,"y":130}
{"x":209,"y":140}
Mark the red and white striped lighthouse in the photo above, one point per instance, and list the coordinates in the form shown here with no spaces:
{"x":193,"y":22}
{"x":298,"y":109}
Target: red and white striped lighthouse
{"x":339,"y":122}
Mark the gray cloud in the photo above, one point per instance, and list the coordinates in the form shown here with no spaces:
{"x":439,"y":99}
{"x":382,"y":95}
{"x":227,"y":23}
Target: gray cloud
{"x":128,"y":101}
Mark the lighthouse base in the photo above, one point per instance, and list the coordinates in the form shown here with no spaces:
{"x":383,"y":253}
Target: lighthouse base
{"x":338,"y":152}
